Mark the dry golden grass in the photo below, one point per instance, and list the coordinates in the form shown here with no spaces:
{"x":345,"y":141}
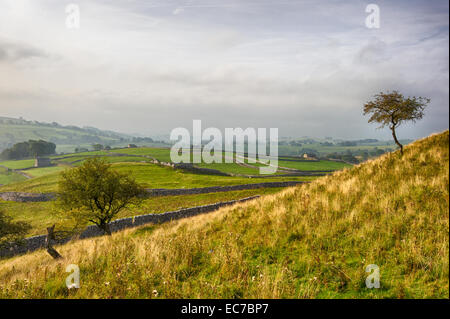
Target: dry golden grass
{"x":311,"y":241}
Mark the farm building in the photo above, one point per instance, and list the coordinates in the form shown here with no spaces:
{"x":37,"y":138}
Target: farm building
{"x":309,"y":156}
{"x":42,"y":162}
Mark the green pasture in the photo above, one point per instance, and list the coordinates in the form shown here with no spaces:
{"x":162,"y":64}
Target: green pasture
{"x":8,"y":177}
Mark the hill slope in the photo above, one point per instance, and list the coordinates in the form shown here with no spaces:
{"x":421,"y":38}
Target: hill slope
{"x":66,"y":137}
{"x":311,"y":241}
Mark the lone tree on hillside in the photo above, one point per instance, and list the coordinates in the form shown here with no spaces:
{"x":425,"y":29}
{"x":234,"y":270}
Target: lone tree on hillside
{"x":96,"y":193}
{"x":392,"y":109}
{"x":11,"y":231}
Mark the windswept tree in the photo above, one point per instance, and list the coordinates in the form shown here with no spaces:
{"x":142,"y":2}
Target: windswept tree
{"x":96,"y":193}
{"x":393,"y":109}
{"x":11,"y":231}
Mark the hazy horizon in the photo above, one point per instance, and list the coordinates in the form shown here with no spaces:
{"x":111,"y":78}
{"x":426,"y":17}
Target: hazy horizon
{"x":306,"y":67}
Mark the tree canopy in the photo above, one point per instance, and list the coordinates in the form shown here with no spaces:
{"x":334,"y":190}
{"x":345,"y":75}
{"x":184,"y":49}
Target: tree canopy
{"x":393,"y":109}
{"x":31,"y":148}
{"x":95,"y":192}
{"x":11,"y":231}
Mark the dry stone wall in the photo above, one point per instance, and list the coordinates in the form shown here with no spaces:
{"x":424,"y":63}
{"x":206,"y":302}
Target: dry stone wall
{"x":43,"y":197}
{"x":27,"y":197}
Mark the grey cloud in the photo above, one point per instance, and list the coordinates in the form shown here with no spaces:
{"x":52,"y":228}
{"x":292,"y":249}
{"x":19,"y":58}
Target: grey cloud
{"x":12,"y":52}
{"x":304,"y":67}
{"x":372,"y":53}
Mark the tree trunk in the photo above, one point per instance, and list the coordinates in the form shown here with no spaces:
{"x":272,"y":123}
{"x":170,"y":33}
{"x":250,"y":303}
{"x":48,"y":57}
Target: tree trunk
{"x":396,"y":140}
{"x":48,"y":243}
{"x":105,"y":228}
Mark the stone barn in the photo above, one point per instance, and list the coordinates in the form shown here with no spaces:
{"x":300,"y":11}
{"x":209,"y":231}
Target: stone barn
{"x":309,"y":156}
{"x":42,"y":162}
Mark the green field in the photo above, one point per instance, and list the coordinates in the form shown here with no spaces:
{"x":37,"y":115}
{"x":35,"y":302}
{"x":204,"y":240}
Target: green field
{"x":144,"y":154}
{"x":9,"y":177}
{"x":161,"y":154}
{"x":118,"y":159}
{"x":81,"y":154}
{"x":313,"y":166}
{"x":150,"y":176}
{"x":41,"y":171}
{"x":70,"y":159}
{"x":232,"y":168}
{"x":322,"y":149}
{"x":21,"y":164}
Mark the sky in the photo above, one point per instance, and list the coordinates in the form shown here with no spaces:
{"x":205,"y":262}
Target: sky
{"x":147,"y":67}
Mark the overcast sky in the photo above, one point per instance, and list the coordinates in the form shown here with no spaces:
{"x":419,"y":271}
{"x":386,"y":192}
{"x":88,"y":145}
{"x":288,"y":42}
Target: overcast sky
{"x":306,"y":67}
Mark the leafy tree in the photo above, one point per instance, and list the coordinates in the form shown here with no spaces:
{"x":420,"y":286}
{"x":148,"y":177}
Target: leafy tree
{"x":97,"y":147}
{"x":38,"y":148}
{"x":29,"y":149}
{"x":347,"y":143}
{"x":11,"y":231}
{"x":392,"y":109}
{"x":365,"y":155}
{"x":96,"y":193}
{"x":81,"y":149}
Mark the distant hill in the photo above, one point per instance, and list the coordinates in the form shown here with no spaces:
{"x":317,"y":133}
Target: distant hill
{"x":14,"y":130}
{"x":311,"y":241}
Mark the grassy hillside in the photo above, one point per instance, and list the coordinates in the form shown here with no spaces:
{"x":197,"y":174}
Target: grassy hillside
{"x":66,"y":138}
{"x":311,"y":241}
{"x":18,"y":130}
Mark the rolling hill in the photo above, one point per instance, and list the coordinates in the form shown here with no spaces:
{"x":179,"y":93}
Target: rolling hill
{"x":310,"y":241}
{"x":65,"y":137}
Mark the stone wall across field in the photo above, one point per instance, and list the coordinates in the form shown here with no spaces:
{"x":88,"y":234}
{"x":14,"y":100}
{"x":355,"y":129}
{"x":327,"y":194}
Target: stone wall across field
{"x":37,"y":242}
{"x":43,"y":197}
{"x":195,"y":169}
{"x":26,"y":197}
